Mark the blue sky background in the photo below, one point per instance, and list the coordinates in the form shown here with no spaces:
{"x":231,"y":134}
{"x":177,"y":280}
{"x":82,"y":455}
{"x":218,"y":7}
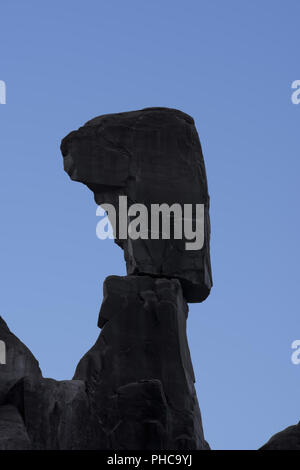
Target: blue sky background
{"x":228,"y":64}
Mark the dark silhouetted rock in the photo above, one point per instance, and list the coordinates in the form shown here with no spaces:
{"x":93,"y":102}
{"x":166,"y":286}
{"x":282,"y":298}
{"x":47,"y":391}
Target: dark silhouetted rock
{"x":13,"y":434}
{"x":19,"y":361}
{"x":56,"y":414}
{"x":288,"y":439}
{"x":153,"y":156}
{"x":133,"y":390}
{"x":140,"y":369}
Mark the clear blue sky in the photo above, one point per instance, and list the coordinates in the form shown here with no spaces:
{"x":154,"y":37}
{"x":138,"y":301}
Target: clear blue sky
{"x":228,"y":64}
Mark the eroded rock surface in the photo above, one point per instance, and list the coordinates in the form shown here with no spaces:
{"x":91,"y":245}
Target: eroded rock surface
{"x":288,"y":439}
{"x":153,"y":156}
{"x":140,"y":368}
{"x":133,"y":390}
{"x":20,"y":362}
{"x":56,"y":413}
{"x":13,"y":433}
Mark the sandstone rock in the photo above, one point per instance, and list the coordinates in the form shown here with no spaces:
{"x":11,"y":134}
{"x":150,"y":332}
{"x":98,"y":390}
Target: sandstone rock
{"x":153,"y":156}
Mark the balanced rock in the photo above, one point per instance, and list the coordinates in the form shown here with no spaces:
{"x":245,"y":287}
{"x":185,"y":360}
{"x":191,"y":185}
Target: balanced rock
{"x":134,"y":389}
{"x":151,"y":156}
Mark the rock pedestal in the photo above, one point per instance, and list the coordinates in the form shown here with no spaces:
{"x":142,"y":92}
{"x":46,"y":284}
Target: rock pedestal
{"x":142,"y":384}
{"x":134,"y":389}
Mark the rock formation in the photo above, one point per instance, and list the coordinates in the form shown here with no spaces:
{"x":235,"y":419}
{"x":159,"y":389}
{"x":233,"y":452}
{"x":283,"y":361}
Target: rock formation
{"x":143,"y":376}
{"x":152,"y":156}
{"x":288,"y":439}
{"x":134,"y":389}
{"x":19,"y":363}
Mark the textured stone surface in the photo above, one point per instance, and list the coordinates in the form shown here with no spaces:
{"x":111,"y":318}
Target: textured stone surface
{"x":55,"y":413}
{"x":151,"y":156}
{"x":134,"y":389}
{"x":19,"y":361}
{"x":140,"y":368}
{"x":13,"y":434}
{"x":288,"y":439}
